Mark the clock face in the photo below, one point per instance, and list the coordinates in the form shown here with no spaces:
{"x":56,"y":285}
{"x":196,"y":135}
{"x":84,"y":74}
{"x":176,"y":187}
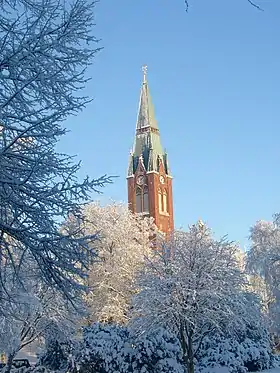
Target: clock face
{"x":161,"y":179}
{"x":140,"y":180}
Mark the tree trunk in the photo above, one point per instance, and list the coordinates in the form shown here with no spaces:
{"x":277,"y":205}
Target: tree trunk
{"x":190,"y":354}
{"x":190,"y":366}
{"x":187,"y":348}
{"x":8,"y":366}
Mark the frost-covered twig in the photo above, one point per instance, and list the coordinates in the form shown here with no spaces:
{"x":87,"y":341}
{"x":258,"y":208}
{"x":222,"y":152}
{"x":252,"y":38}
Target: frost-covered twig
{"x":45,"y":48}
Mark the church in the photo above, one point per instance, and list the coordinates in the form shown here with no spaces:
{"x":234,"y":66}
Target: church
{"x":149,"y":180}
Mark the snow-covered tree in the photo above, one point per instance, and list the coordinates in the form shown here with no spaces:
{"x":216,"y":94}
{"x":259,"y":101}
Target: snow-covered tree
{"x":263,"y":263}
{"x":45,"y":48}
{"x":38,"y":313}
{"x":195,"y":293}
{"x":258,"y":285}
{"x":122,"y":247}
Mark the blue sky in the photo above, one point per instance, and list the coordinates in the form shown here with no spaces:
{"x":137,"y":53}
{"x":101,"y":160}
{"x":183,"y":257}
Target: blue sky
{"x":214,"y":78}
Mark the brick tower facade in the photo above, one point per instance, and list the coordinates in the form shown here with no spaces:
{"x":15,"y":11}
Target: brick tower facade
{"x":148,"y":179}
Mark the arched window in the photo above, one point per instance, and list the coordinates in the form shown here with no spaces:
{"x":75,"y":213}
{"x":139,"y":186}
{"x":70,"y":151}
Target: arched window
{"x":159,"y":200}
{"x":165,"y":201}
{"x":145,"y":199}
{"x":138,"y":199}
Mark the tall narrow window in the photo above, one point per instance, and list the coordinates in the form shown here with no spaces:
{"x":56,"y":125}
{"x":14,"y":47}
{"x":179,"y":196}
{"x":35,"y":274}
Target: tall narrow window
{"x":145,"y":199}
{"x":138,"y":199}
{"x":159,"y":200}
{"x":165,"y":201}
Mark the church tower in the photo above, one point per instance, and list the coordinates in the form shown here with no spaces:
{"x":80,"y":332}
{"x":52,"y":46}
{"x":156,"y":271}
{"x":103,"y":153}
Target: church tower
{"x":148,"y":179}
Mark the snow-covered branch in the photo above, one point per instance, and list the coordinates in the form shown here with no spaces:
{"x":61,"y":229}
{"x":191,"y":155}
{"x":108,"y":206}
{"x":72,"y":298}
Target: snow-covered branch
{"x":45,"y":48}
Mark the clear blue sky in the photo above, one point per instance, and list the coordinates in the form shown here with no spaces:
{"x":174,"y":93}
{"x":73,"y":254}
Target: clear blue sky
{"x":214,"y":76}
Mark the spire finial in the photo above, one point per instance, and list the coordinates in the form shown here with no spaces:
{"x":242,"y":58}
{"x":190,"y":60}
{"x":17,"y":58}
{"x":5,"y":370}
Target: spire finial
{"x":144,"y":69}
{"x":201,"y":225}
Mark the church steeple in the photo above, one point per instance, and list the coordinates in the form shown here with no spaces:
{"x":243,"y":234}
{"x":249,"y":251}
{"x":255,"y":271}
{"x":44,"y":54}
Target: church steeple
{"x":147,"y":140}
{"x":148,"y":176}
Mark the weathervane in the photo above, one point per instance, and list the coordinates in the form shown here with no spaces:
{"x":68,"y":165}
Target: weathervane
{"x":144,"y":69}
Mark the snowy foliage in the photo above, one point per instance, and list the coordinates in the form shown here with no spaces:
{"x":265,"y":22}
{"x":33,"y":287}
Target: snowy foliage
{"x":158,"y":352}
{"x":109,"y":349}
{"x":248,"y":349}
{"x":236,"y":357}
{"x":122,"y":247}
{"x":56,"y":355}
{"x":45,"y":49}
{"x":39,"y":311}
{"x":103,"y":349}
{"x":196,"y":293}
{"x":259,"y":286}
{"x":263,"y":263}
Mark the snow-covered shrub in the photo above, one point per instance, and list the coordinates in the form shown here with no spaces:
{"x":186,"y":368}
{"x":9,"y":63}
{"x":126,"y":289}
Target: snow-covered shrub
{"x":110,"y":349}
{"x":105,"y":348}
{"x":237,"y":356}
{"x":158,"y":352}
{"x":275,"y":361}
{"x":240,"y":347}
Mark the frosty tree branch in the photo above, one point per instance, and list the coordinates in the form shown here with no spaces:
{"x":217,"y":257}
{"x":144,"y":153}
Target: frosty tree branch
{"x":45,"y":49}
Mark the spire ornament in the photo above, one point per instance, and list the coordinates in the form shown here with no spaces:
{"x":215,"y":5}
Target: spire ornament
{"x":200,"y":224}
{"x":144,"y":69}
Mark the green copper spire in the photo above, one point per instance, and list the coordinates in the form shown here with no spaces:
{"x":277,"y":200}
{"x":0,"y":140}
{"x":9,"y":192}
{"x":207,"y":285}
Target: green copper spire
{"x":146,"y":115}
{"x":147,"y":140}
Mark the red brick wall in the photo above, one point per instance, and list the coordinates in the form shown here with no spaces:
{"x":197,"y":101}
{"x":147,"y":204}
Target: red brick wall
{"x":164,"y":222}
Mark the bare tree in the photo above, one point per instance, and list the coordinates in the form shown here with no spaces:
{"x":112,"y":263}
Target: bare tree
{"x":45,"y":48}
